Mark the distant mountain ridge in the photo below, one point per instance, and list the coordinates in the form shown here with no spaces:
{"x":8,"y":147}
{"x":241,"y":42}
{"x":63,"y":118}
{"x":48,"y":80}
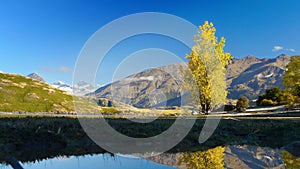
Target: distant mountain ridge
{"x":36,"y":77}
{"x":79,"y":89}
{"x":142,"y":89}
{"x":251,"y":76}
{"x":248,"y":77}
{"x":63,"y":86}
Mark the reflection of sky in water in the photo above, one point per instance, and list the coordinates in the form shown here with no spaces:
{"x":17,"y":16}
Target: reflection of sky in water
{"x":105,"y":161}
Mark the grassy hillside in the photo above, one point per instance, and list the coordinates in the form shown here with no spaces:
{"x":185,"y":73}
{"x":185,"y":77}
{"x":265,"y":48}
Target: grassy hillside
{"x":23,"y":94}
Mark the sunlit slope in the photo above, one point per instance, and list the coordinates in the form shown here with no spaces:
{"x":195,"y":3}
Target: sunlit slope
{"x":23,"y":94}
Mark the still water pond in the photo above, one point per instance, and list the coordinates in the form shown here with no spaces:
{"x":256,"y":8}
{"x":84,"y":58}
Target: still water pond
{"x":233,"y":156}
{"x":105,"y":161}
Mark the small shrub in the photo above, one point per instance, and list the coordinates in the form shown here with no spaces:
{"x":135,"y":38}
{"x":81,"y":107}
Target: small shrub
{"x":109,"y":110}
{"x":242,"y":104}
{"x":267,"y":102}
{"x":288,"y":99}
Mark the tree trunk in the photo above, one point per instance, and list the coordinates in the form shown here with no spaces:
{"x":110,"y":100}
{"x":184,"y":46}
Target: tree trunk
{"x":203,"y":108}
{"x":207,"y":108}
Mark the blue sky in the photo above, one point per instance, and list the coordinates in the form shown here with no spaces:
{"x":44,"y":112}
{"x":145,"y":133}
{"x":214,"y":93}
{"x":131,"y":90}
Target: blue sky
{"x":47,"y":36}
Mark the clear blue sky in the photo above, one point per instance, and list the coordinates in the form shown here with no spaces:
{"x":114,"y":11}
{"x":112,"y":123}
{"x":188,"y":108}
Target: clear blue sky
{"x":47,"y":36}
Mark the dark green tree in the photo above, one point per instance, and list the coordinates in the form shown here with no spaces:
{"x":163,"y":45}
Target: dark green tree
{"x":272,"y":97}
{"x":274,"y":94}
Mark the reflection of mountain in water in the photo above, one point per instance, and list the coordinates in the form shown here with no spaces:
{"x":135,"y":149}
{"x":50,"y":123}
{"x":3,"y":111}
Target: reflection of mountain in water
{"x":233,"y":156}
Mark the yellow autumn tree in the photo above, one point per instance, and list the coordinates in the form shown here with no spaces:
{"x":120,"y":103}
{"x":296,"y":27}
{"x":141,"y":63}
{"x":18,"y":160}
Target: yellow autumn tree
{"x":207,"y":66}
{"x":208,"y":159}
{"x":289,"y":160}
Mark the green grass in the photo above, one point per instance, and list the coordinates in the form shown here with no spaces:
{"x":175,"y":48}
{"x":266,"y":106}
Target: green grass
{"x":22,"y":94}
{"x":109,"y":110}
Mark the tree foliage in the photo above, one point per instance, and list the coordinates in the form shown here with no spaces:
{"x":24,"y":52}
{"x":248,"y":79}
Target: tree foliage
{"x":289,"y":98}
{"x":211,"y":158}
{"x":272,"y":97}
{"x":207,"y":66}
{"x":289,"y":160}
{"x":242,"y":104}
{"x":275,"y":96}
{"x":291,"y":78}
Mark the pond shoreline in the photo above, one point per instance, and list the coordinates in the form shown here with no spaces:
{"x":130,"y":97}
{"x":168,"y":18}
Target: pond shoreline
{"x":244,"y":115}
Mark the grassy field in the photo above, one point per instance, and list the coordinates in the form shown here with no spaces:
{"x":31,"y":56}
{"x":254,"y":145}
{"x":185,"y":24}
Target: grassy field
{"x":19,"y":93}
{"x":23,"y":94}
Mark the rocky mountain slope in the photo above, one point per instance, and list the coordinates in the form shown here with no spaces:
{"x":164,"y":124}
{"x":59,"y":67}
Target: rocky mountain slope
{"x":36,"y":77}
{"x":251,"y":76}
{"x":147,"y":88}
{"x":248,"y":77}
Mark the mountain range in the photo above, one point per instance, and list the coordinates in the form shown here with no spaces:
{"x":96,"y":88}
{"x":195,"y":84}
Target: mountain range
{"x":81,"y":87}
{"x":249,"y":77}
{"x":162,"y":86}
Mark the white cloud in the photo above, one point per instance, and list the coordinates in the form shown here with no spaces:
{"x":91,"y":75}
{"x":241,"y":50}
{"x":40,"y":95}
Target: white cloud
{"x":1,"y":71}
{"x":291,"y":50}
{"x":277,"y":48}
{"x":281,"y":48}
{"x":59,"y":70}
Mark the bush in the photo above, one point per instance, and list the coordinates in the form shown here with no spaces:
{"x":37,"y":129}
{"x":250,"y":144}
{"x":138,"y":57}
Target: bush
{"x":242,"y":104}
{"x":296,"y":91}
{"x":260,"y":99}
{"x":274,"y":94}
{"x":109,"y":110}
{"x":267,"y":102}
{"x":272,"y":97}
{"x":288,"y":98}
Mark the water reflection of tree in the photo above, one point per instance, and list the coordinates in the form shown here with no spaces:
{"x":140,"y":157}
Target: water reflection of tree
{"x":289,"y":160}
{"x":208,"y":159}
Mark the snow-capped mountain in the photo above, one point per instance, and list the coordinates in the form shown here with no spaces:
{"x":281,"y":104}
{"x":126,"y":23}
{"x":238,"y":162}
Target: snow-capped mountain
{"x":81,"y":88}
{"x":63,"y":86}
